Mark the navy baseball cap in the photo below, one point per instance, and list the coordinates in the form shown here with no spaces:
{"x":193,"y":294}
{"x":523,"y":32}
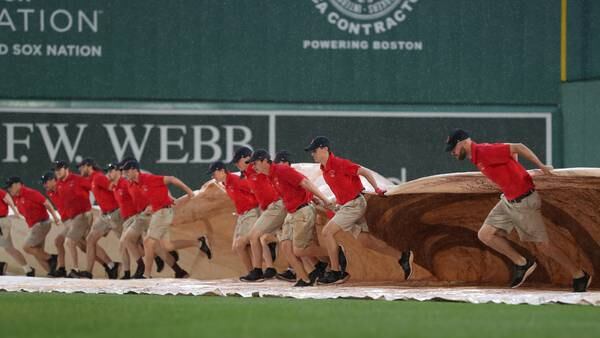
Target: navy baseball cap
{"x":218,"y":165}
{"x":241,"y":153}
{"x":12,"y":180}
{"x":125,"y":160}
{"x":283,"y":156}
{"x":259,"y":155}
{"x":112,"y":166}
{"x":60,"y":164}
{"x":318,"y":142}
{"x":47,"y":177}
{"x":87,"y":161}
{"x":133,"y":164}
{"x":456,"y":136}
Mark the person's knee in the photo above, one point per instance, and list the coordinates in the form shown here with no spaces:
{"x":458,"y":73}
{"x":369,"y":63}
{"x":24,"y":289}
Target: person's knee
{"x":264,"y":240}
{"x":255,"y":236}
{"x":298,"y":251}
{"x":330,"y":229}
{"x":28,"y":249}
{"x":59,"y":241}
{"x":486,"y":233}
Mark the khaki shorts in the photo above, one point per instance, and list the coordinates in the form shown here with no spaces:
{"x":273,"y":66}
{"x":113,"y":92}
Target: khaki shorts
{"x":299,"y":227}
{"x":525,"y":216}
{"x":107,"y":222}
{"x":79,"y":226}
{"x":160,"y":223}
{"x":350,"y":217}
{"x":136,"y":225}
{"x":37,"y":234}
{"x":245,"y":223}
{"x":5,"y":237}
{"x":272,"y":218}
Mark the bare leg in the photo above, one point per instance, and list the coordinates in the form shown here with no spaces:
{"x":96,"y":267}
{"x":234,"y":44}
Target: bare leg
{"x":331,"y":244}
{"x":240,"y":246}
{"x":59,"y":242}
{"x":40,"y":255}
{"x":16,"y":255}
{"x":91,"y":244}
{"x":490,"y":237}
{"x":559,"y":256}
{"x":149,"y":246}
{"x":266,"y":252}
{"x":294,"y":261}
{"x":72,"y":245}
{"x":256,"y":247}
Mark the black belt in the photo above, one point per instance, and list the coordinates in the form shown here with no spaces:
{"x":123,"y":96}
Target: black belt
{"x":301,"y":206}
{"x":357,"y":196}
{"x":522,"y":197}
{"x":110,"y":212}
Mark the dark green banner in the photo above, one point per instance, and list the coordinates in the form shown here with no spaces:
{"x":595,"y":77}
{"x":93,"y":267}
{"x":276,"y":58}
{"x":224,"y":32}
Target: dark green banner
{"x":296,"y":51}
{"x":182,"y":142}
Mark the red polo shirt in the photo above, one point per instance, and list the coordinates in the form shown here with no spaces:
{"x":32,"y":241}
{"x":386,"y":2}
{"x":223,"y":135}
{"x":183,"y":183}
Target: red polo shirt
{"x":121,"y":193}
{"x":155,"y":190}
{"x":104,"y":197}
{"x":140,"y":201}
{"x":286,"y":181}
{"x":3,"y":205}
{"x":239,"y":191}
{"x":261,"y":187}
{"x":496,"y":162}
{"x":30,"y":204}
{"x":342,"y":177}
{"x":58,"y":203}
{"x":74,"y":192}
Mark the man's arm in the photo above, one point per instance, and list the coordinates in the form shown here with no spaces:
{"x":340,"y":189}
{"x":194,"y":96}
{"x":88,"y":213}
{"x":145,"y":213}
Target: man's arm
{"x":9,"y":201}
{"x":53,"y":212}
{"x":368,"y":174}
{"x":523,"y":150}
{"x":308,"y":185}
{"x":177,"y":182}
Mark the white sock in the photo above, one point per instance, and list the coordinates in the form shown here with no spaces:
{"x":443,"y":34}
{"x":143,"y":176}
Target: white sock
{"x":110,"y":265}
{"x":27,"y":268}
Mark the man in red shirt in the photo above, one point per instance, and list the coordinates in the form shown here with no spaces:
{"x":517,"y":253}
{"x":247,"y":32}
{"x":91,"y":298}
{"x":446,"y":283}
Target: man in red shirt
{"x":48,"y":181}
{"x":5,"y":238}
{"x":519,"y":207}
{"x":34,"y":207}
{"x":247,"y":211}
{"x":343,"y":177}
{"x":154,"y":189}
{"x":110,"y":218}
{"x":298,"y":229}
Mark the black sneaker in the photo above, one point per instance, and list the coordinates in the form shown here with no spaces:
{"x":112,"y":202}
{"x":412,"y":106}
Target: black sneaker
{"x":52,"y":262}
{"x":582,"y":283}
{"x":85,"y":274}
{"x":126,"y":274}
{"x":73,"y":274}
{"x":204,"y":247}
{"x":160,"y":264}
{"x":302,"y":283}
{"x":521,"y":272}
{"x":31,"y":273}
{"x":342,"y":258}
{"x":114,"y":272}
{"x":273,"y":250}
{"x":180,"y":273}
{"x":175,"y":255}
{"x":318,"y":272}
{"x":139,"y":272}
{"x":406,"y":262}
{"x":288,"y":276}
{"x":256,"y":275}
{"x":61,"y":272}
{"x":270,"y":273}
{"x":333,"y":277}
{"x":3,"y":267}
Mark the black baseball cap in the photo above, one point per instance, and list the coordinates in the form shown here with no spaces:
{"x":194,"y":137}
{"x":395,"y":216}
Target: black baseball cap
{"x":318,"y":142}
{"x":60,"y":164}
{"x":47,"y":177}
{"x":87,"y":161}
{"x":12,"y":180}
{"x":133,"y":164}
{"x":125,"y":160}
{"x":218,"y":165}
{"x":259,"y":155}
{"x":112,"y":166}
{"x":455,"y":136}
{"x":283,"y":156}
{"x":240,"y":153}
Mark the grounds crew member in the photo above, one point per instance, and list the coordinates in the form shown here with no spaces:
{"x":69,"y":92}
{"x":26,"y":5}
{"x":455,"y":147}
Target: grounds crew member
{"x":519,"y":206}
{"x":5,"y":237}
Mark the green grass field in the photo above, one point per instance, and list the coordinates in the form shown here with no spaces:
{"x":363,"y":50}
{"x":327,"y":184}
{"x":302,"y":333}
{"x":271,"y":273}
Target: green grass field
{"x":107,"y":316}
